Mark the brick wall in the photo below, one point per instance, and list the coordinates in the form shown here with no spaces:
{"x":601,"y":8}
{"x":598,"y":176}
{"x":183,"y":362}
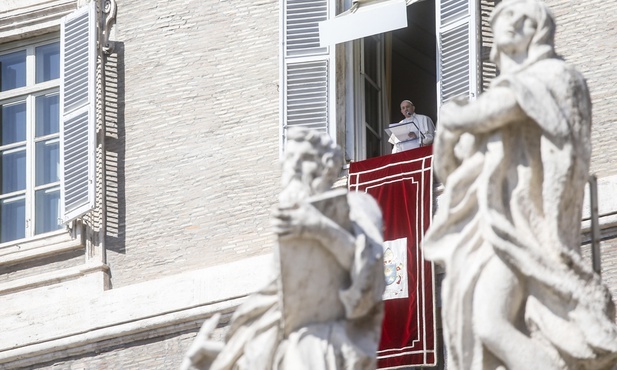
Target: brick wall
{"x":587,"y":38}
{"x":198,"y":135}
{"x":42,"y":265}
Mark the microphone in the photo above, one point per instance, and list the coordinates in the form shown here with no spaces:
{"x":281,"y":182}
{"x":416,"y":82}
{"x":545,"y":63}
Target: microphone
{"x":408,"y":114}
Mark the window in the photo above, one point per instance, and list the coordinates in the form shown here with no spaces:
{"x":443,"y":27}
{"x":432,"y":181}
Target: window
{"x":30,"y":141}
{"x":389,"y":68}
{"x":429,"y":56}
{"x":47,"y":129}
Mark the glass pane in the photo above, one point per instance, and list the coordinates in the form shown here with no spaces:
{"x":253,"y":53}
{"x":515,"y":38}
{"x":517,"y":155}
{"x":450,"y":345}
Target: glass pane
{"x":370,"y":58}
{"x":47,"y":204}
{"x":13,"y":127}
{"x":372,"y":145}
{"x":13,"y":70}
{"x":48,"y":62}
{"x":12,"y":219}
{"x":13,"y":170}
{"x":47,"y":114}
{"x":47,"y":159}
{"x":371,"y":105}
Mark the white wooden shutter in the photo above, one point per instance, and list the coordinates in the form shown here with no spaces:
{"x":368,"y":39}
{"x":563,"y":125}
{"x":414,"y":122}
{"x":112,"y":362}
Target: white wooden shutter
{"x":77,"y":95}
{"x":457,"y":49}
{"x":307,"y":76}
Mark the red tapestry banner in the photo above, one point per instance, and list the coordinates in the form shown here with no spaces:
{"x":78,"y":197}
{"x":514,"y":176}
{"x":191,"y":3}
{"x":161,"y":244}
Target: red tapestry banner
{"x":402,"y":184}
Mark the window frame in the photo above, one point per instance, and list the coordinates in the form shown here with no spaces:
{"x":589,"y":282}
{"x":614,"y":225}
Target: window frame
{"x":360,"y":78}
{"x":29,"y":94}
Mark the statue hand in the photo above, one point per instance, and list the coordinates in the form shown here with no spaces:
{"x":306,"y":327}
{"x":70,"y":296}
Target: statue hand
{"x":299,"y":220}
{"x":204,"y":349}
{"x":447,"y":138}
{"x":448,"y":116}
{"x":460,"y":100}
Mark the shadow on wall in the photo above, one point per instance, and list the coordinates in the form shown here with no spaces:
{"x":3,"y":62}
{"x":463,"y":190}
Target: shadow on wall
{"x":115,"y":150}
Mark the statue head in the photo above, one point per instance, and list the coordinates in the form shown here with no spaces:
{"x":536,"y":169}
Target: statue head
{"x":311,"y":164}
{"x":524,"y":26}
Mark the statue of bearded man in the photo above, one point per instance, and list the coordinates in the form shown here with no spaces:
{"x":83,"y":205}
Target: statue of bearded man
{"x":324,"y":310}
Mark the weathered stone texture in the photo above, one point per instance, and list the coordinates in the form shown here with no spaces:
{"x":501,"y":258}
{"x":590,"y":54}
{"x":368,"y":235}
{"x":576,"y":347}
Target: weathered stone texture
{"x":156,"y":353}
{"x":608,"y":250}
{"x":608,"y":262}
{"x":200,"y":122}
{"x":10,"y":272}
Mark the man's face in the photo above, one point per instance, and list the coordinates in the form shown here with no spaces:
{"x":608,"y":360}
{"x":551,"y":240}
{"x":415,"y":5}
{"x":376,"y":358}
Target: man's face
{"x":407,"y":109}
{"x":302,"y":163}
{"x":514,"y":28}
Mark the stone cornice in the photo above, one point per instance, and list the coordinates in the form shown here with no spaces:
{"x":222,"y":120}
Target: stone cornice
{"x":23,"y":19}
{"x":75,"y":316}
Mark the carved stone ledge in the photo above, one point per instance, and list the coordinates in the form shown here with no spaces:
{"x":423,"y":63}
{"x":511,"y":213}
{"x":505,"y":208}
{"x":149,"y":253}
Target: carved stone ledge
{"x":54,"y":277}
{"x":29,"y":18}
{"x":40,"y":247}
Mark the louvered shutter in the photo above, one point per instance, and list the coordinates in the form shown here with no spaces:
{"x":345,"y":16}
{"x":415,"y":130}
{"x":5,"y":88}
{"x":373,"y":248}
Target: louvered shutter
{"x":489,"y":69}
{"x":307,"y":75}
{"x":457,"y":49}
{"x":77,"y":95}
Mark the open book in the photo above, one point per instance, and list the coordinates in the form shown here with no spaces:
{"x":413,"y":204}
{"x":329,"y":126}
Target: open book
{"x":398,"y":134}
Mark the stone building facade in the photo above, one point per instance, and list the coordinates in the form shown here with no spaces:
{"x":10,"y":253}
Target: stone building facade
{"x":186,"y":172}
{"x":191,"y":103}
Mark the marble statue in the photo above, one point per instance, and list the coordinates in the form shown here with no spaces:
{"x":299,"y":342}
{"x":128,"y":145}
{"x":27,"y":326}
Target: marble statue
{"x":514,"y":163}
{"x":324,"y":310}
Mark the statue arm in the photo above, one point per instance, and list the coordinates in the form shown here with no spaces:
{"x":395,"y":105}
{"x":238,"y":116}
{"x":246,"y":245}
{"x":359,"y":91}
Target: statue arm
{"x":337,"y":241}
{"x":305,"y":221}
{"x":204,"y":349}
{"x":496,"y":108}
{"x":446,"y":160}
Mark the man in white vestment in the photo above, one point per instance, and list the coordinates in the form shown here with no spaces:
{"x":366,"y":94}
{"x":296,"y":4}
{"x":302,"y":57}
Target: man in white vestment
{"x":421,"y":129}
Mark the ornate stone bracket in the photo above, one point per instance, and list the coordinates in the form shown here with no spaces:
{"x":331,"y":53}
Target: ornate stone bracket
{"x":109,"y":8}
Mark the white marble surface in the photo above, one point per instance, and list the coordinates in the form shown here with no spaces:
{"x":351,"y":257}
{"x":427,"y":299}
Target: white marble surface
{"x":324,"y":310}
{"x":517,"y":294}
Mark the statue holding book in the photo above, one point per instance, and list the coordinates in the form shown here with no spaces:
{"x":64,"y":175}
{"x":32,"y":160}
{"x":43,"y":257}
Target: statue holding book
{"x":324,"y":310}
